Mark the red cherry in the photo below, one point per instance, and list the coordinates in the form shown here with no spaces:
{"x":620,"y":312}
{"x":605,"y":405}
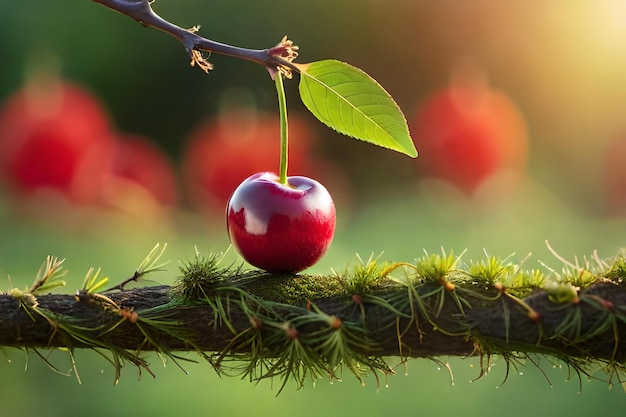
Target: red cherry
{"x":468,"y":133}
{"x":277,"y":227}
{"x":54,"y":135}
{"x":141,"y":162}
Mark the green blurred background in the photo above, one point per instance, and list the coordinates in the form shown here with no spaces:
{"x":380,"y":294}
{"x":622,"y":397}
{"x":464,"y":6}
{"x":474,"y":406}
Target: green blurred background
{"x":561,"y":62}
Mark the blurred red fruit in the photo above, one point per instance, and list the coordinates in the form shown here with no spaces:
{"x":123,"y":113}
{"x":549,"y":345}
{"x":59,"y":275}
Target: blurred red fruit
{"x":469,"y":132}
{"x":614,"y":170}
{"x":140,"y":161}
{"x":222,"y":152}
{"x":54,"y":135}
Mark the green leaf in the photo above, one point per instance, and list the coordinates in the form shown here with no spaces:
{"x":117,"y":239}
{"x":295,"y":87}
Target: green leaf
{"x":348,"y":100}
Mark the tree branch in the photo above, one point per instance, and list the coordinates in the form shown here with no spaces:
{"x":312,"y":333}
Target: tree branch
{"x":277,"y":57}
{"x":290,"y":326}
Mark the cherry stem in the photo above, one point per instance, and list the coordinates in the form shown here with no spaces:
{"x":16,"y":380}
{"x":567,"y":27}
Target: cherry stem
{"x":282,"y":110}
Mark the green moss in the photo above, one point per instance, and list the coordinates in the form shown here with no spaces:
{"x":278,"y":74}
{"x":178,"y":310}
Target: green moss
{"x":492,"y":270}
{"x":200,"y":276}
{"x":617,"y":271}
{"x":295,"y":289}
{"x":437,"y":268}
{"x":365,"y":277}
{"x":561,"y":292}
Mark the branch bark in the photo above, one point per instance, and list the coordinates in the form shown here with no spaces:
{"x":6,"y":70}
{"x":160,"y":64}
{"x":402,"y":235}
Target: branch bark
{"x":273,"y":59}
{"x":295,"y":326}
{"x":500,"y":325}
{"x":19,"y":327}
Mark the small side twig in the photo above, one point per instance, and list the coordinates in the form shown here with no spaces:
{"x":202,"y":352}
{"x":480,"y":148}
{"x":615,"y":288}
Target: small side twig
{"x":147,"y":266}
{"x":120,"y":287}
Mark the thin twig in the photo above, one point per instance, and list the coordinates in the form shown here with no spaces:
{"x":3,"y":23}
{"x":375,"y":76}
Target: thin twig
{"x":272,"y":58}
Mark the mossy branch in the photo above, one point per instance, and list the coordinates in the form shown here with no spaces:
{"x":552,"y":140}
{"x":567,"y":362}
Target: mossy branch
{"x":250,"y":323}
